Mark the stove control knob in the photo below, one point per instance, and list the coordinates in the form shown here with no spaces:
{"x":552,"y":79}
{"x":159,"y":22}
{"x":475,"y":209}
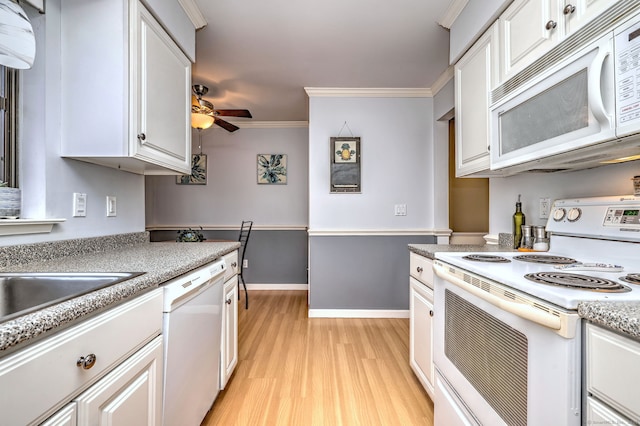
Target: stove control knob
{"x":574,"y":214}
{"x":559,"y":214}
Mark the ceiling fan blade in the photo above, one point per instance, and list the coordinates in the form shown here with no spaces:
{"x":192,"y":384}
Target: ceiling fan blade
{"x":234,"y":112}
{"x":226,"y":125}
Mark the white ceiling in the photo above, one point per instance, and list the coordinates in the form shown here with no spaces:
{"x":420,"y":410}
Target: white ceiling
{"x":260,"y":54}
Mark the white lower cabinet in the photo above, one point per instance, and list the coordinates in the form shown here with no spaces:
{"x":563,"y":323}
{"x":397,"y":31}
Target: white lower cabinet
{"x":68,"y":416}
{"x":229,"y":347}
{"x":129,"y":395}
{"x":612,"y":377}
{"x":44,"y":381}
{"x":421,"y":321}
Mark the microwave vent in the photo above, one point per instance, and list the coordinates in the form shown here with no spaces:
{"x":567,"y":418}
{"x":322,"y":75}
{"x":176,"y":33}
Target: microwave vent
{"x":572,"y":44}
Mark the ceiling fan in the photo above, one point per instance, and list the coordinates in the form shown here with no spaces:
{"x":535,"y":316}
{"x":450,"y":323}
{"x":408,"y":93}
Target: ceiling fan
{"x":204,"y":115}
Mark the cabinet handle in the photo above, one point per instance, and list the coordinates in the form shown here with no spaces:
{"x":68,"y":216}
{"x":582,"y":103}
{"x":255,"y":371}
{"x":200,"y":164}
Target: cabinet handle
{"x":551,"y":25}
{"x":431,"y":313}
{"x":142,"y":137}
{"x":228,"y":301}
{"x":234,"y":264}
{"x":569,"y":9}
{"x":86,"y":362}
{"x":419,"y":269}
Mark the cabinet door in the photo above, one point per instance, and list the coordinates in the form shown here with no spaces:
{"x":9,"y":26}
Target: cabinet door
{"x":160,"y":129}
{"x":68,"y":416}
{"x":580,"y":12}
{"x":474,"y":74}
{"x":528,"y":29}
{"x":229,"y":347}
{"x":421,"y":334}
{"x":129,"y":395}
{"x":614,"y":383}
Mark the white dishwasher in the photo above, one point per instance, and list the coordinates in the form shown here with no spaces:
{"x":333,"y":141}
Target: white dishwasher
{"x":192,"y":326}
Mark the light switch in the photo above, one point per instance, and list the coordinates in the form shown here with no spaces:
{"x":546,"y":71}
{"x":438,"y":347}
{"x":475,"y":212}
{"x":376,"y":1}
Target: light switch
{"x":111,"y":206}
{"x":79,"y":204}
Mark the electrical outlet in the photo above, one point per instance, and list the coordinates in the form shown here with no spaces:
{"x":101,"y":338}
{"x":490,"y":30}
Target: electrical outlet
{"x":545,"y":208}
{"x":245,"y":263}
{"x":400,"y":209}
{"x":79,"y":204}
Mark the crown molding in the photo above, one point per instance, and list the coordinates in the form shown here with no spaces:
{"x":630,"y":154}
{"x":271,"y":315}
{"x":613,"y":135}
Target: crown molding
{"x":451,"y":14}
{"x":193,"y":12}
{"x":442,"y":80}
{"x":357,"y":92}
{"x":268,"y":124}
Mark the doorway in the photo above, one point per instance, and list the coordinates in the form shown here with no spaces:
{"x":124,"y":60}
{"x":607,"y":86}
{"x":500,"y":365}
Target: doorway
{"x":468,"y":202}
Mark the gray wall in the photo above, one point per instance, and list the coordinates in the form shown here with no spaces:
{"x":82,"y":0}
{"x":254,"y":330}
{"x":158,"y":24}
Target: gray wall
{"x":361,"y":272}
{"x":275,"y":256}
{"x":277,"y":250}
{"x":370,"y":270}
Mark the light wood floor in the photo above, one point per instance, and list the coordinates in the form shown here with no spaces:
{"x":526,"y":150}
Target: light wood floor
{"x":295,"y":370}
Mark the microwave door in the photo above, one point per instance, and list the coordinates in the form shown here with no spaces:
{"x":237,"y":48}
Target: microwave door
{"x":568,"y":107}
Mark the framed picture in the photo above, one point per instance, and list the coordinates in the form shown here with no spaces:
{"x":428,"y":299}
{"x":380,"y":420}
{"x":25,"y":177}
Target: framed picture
{"x":345,"y":165}
{"x":198,"y":174}
{"x":346,"y":150}
{"x":272,"y":169}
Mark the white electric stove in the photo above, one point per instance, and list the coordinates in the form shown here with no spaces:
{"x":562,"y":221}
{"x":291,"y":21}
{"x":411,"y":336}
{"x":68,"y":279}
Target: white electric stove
{"x":507,"y":335}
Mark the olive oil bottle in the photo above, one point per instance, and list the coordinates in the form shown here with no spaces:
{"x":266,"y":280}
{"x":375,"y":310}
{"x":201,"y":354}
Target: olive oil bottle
{"x":518,"y":221}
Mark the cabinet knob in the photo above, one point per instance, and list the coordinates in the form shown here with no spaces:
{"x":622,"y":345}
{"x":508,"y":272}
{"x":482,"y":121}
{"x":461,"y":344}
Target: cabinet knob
{"x":569,"y":9}
{"x":86,"y":362}
{"x":228,"y":301}
{"x":419,"y":269}
{"x":431,"y":313}
{"x":142,"y":137}
{"x":551,"y":25}
{"x":234,"y":264}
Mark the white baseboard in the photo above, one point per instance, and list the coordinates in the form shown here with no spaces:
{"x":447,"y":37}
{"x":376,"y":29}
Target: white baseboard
{"x":357,"y":313}
{"x":255,"y":286}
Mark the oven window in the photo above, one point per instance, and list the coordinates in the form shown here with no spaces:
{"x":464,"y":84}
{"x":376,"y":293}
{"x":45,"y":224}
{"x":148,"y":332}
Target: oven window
{"x":535,"y":120}
{"x":490,"y":354}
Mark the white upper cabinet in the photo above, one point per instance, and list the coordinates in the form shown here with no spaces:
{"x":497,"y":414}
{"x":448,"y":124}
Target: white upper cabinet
{"x":125,"y":89}
{"x":528,"y":29}
{"x":475,"y":75}
{"x":579,"y":12}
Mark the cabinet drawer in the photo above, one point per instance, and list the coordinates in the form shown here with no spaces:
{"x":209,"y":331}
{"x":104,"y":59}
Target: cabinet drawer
{"x":232,"y":264}
{"x":421,"y":268}
{"x":44,"y":376}
{"x":612,"y":370}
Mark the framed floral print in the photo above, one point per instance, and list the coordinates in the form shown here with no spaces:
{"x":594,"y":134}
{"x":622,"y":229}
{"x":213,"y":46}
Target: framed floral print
{"x":198,"y":174}
{"x":272,"y":169}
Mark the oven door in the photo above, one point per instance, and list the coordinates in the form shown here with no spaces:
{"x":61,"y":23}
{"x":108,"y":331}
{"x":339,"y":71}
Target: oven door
{"x":569,"y":107}
{"x":500,"y":367}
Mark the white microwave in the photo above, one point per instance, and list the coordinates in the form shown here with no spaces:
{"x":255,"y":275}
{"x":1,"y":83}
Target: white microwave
{"x":582,"y":111}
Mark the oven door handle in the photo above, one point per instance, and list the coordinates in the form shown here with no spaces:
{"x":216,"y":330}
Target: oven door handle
{"x":522,"y":310}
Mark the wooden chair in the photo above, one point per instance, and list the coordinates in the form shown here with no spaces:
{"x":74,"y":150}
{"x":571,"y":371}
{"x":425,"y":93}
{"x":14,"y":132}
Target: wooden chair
{"x":245,"y":231}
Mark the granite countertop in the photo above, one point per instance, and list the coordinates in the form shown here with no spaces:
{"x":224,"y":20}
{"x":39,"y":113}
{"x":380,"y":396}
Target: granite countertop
{"x":160,"y":262}
{"x":429,"y":250}
{"x":623,"y":317}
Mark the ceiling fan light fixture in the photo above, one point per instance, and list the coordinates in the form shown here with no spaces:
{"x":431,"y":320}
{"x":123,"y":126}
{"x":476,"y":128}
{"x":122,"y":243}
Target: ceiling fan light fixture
{"x":201,"y":121}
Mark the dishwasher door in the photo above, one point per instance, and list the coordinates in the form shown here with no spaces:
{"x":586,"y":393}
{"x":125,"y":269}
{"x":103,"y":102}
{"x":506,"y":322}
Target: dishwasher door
{"x":192,"y":333}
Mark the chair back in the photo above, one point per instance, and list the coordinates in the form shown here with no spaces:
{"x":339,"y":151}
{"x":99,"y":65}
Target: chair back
{"x":245,"y":231}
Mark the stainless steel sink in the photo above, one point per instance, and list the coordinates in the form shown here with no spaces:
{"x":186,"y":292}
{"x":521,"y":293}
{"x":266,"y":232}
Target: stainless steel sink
{"x":22,"y":293}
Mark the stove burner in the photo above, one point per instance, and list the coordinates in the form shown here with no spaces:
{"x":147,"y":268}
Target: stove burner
{"x":545,"y":258}
{"x":486,"y":258}
{"x":580,"y":282}
{"x":631,"y":278}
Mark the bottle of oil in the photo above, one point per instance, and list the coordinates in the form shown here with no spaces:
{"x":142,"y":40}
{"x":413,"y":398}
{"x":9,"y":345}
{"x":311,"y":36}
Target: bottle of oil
{"x":518,"y":221}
